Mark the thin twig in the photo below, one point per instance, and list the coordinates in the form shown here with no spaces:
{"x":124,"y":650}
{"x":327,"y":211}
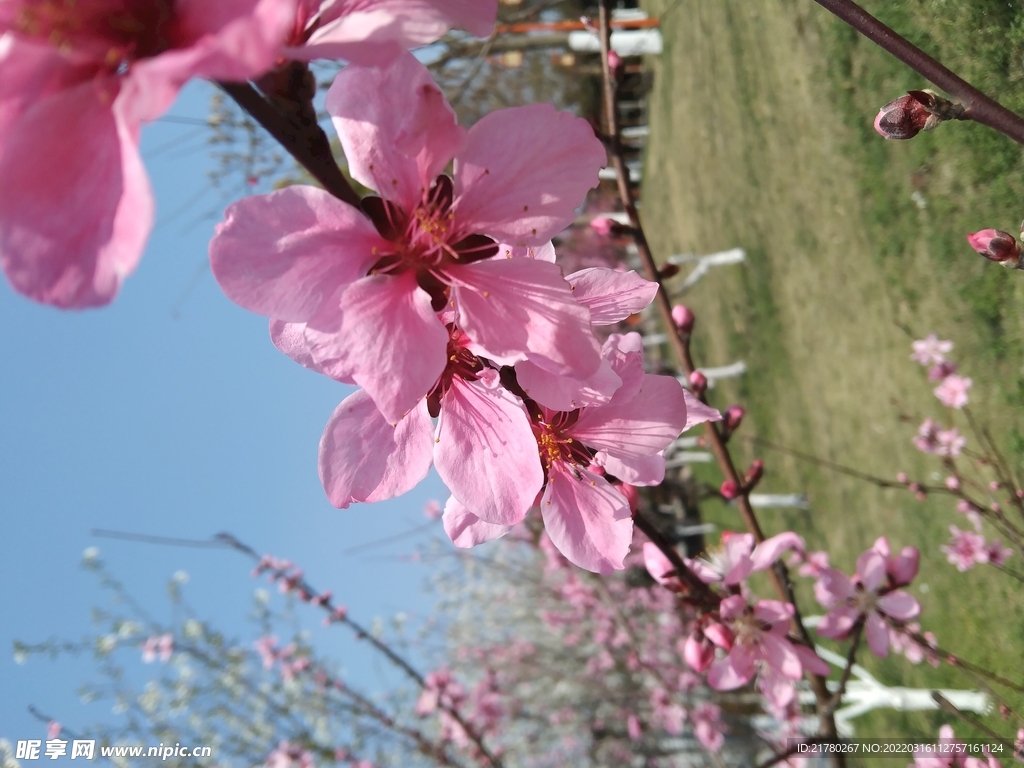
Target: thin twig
{"x":980,"y":108}
{"x":780,"y":575}
{"x":309,"y":145}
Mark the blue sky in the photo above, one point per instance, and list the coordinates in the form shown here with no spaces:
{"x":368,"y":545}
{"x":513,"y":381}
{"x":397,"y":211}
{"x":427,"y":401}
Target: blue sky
{"x":167,"y":413}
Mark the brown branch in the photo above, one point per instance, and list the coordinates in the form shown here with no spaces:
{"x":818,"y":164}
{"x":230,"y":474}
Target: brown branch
{"x":308,"y":144}
{"x":980,"y":108}
{"x":680,"y":345}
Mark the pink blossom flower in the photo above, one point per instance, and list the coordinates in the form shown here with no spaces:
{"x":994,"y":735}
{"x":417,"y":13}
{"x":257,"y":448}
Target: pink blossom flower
{"x":586,"y":518}
{"x":997,"y":553}
{"x":158,"y":646}
{"x":902,"y":642}
{"x":951,"y":442}
{"x":731,"y":563}
{"x":927,"y":437}
{"x":952,"y":757}
{"x":288,"y":755}
{"x":931,"y":350}
{"x":53,"y":729}
{"x":266,"y":648}
{"x":75,"y":212}
{"x":369,"y":287}
{"x":375,"y":32}
{"x":941,"y":370}
{"x":760,"y":647}
{"x":708,"y":726}
{"x":966,"y":549}
{"x":633,"y":728}
{"x":432,"y":509}
{"x":952,"y":392}
{"x":964,"y":507}
{"x":866,"y":597}
{"x":483,"y":446}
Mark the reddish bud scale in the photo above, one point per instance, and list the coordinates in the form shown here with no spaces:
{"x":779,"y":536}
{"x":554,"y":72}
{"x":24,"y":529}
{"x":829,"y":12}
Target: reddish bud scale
{"x":996,"y":245}
{"x":755,"y":472}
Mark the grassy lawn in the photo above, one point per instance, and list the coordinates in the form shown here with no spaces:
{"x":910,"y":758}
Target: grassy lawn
{"x":761,"y":137}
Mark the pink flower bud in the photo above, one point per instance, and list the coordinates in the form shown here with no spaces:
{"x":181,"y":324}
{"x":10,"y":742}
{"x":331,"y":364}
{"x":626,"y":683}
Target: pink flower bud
{"x":901,"y":477}
{"x":720,"y":635}
{"x":995,"y":245}
{"x":698,"y":383}
{"x":755,"y":472}
{"x":698,"y":652}
{"x":953,"y":483}
{"x":615,"y":64}
{"x":683,"y":317}
{"x":729,"y":490}
{"x":907,"y":116}
{"x":994,"y":485}
{"x":733,"y":416}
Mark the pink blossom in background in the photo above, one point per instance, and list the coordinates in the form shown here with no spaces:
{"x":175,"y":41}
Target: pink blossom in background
{"x":942,"y":370}
{"x":432,"y":510}
{"x":369,"y":287}
{"x":966,"y":549}
{"x":761,"y":648}
{"x":266,"y":647}
{"x":76,"y":207}
{"x":375,"y":32}
{"x":952,"y":392}
{"x":951,"y":442}
{"x":973,"y":514}
{"x":708,"y":726}
{"x":931,"y":350}
{"x":53,"y":729}
{"x":866,"y":597}
{"x":901,"y":642}
{"x":158,"y":646}
{"x":997,"y":553}
{"x":288,"y":755}
{"x":927,"y":437}
{"x":815,"y":564}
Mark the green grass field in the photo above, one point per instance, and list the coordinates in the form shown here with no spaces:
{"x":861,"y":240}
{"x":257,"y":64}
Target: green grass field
{"x":761,"y":137}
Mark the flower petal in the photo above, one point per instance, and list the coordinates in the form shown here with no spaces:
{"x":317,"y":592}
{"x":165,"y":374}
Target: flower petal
{"x":768,"y":551}
{"x":523,"y":171}
{"x":519,"y":308}
{"x":383,"y":333}
{"x":877,"y":635}
{"x":838,"y":622}
{"x":611,"y":296}
{"x":780,"y":656}
{"x":466,"y":529}
{"x":735,"y":670}
{"x":567,"y":393}
{"x":365,"y":458}
{"x":284,"y":254}
{"x":871,"y":569}
{"x":697,"y":412}
{"x":374,"y":32}
{"x":587,"y":520}
{"x":646,"y":424}
{"x":74,"y":215}
{"x":486,"y":453}
{"x":641,"y":470}
{"x":659,"y":566}
{"x":900,"y":605}
{"x":810,"y":661}
{"x":397,"y":145}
